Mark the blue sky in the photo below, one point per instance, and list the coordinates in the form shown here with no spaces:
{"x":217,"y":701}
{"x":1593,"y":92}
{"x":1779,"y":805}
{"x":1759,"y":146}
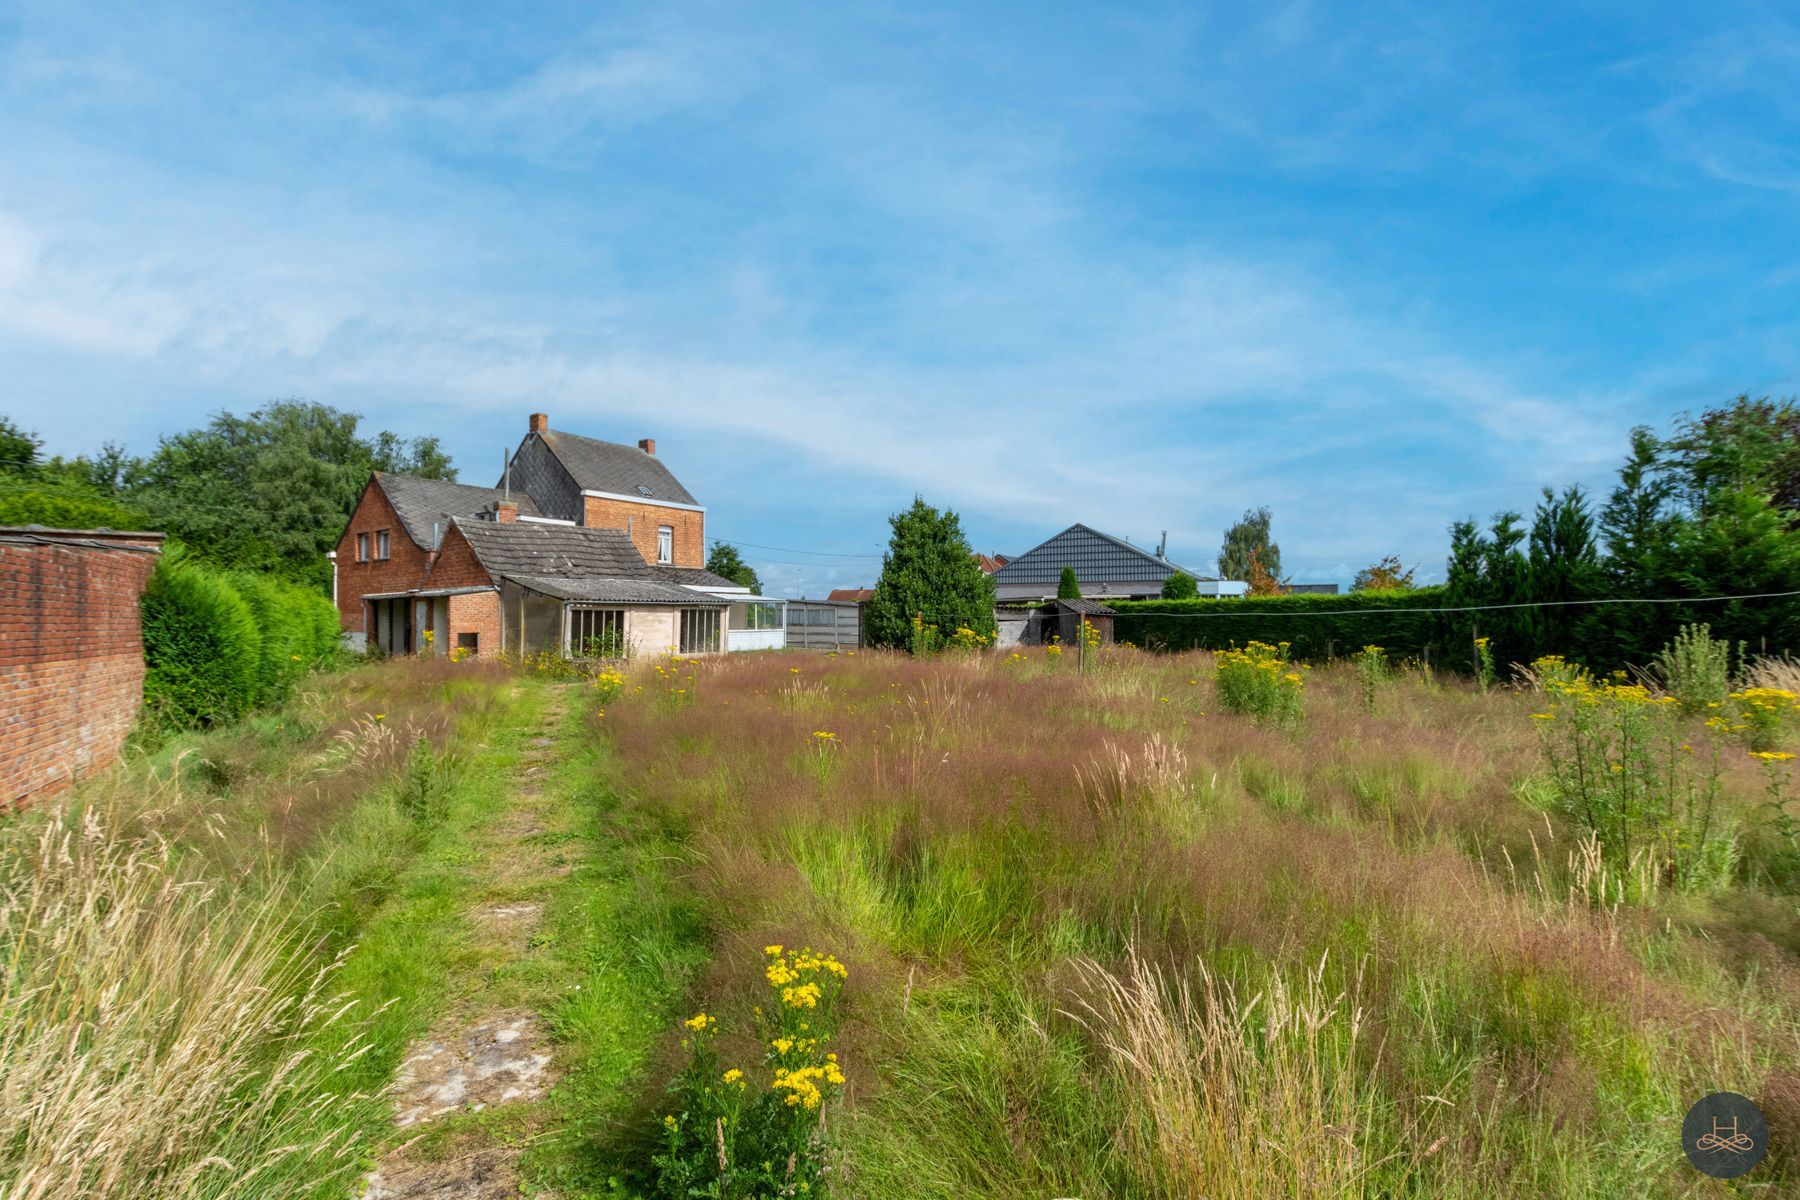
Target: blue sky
{"x":1376,"y":266}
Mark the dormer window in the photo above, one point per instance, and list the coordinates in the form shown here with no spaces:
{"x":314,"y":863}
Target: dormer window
{"x":665,"y":544}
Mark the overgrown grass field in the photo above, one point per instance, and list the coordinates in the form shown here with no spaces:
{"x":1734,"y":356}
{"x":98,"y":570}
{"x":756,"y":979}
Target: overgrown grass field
{"x":1105,"y":939}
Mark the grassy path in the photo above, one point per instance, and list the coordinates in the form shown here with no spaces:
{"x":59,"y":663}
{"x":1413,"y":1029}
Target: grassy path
{"x":559,"y":957}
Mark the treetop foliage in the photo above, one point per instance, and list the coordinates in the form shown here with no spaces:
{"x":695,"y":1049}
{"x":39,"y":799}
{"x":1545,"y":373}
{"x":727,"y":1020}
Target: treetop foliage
{"x":1388,"y":575}
{"x":725,"y":561}
{"x":1246,"y":540}
{"x":269,"y":491}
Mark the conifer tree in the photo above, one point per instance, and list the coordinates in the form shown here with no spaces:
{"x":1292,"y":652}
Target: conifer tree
{"x":929,"y":574}
{"x":1068,"y":587}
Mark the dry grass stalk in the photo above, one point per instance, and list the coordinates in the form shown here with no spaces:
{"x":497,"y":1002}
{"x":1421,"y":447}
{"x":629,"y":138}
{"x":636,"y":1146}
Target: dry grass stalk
{"x":151,"y":1030}
{"x":1233,"y":1099}
{"x":1773,"y":672}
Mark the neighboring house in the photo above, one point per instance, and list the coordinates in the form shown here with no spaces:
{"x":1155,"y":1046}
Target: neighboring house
{"x":851,"y":595}
{"x":989,"y":563}
{"x":71,"y":653}
{"x":586,"y":548}
{"x":1108,"y":568}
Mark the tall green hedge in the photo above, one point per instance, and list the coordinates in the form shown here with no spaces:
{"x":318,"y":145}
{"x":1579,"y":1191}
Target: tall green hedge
{"x":218,"y":644}
{"x":1315,"y":626}
{"x":202,"y":647}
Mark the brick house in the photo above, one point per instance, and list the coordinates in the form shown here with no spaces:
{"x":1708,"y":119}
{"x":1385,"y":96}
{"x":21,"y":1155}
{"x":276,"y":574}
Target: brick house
{"x":71,"y":653}
{"x":585,"y":547}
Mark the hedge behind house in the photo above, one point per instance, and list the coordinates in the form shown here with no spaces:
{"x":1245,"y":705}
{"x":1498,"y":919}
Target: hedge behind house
{"x":1315,"y":626}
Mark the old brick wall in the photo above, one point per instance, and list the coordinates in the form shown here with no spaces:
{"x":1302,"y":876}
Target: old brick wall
{"x":643,"y":520}
{"x":477,"y":613}
{"x":71,"y":654}
{"x":403,"y":571}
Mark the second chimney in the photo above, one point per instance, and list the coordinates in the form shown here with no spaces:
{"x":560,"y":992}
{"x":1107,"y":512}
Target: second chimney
{"x":506,"y":512}
{"x":647,"y":445}
{"x":540,"y":422}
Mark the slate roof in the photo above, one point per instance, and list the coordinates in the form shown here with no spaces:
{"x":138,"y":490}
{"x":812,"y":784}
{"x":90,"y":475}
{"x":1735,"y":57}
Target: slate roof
{"x":422,"y":503}
{"x":519,"y":549}
{"x":1095,"y":556}
{"x":600,"y":589}
{"x":598,"y":466}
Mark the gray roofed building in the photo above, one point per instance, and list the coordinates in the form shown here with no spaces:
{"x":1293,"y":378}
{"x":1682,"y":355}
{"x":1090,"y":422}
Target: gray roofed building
{"x":598,"y":466}
{"x":599,"y":589}
{"x":423,"y":503}
{"x":1106,"y":566}
{"x":552,"y":550}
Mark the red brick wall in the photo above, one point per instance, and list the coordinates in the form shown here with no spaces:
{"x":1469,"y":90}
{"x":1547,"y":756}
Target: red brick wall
{"x":477,"y":613}
{"x":643,"y":520}
{"x":403,"y":571}
{"x":71,"y":660}
{"x":457,"y":565}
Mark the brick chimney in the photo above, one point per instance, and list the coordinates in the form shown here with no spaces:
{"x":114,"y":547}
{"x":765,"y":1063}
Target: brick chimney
{"x":647,"y":445}
{"x":506,"y":512}
{"x":540,"y":422}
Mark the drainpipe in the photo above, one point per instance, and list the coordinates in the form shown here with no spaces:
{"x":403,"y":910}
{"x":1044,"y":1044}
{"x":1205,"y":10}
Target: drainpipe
{"x":331,"y":555}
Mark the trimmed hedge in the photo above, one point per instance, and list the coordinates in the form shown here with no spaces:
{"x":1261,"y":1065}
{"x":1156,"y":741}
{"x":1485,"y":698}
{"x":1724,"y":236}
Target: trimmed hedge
{"x":218,"y":644}
{"x":202,"y":647}
{"x":1356,"y":620}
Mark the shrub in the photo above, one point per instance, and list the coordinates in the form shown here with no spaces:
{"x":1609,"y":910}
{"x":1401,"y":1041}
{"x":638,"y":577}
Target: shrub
{"x":1760,"y":714}
{"x":1258,"y":681}
{"x":1695,"y":668}
{"x":1623,"y":773}
{"x":202,"y":650}
{"x":724,"y":1140}
{"x":1180,"y":586}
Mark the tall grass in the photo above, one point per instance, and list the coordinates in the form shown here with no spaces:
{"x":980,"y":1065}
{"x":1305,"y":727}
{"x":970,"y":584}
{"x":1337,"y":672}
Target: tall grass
{"x":180,"y":1011}
{"x":1000,"y":843}
{"x":159,"y":1029}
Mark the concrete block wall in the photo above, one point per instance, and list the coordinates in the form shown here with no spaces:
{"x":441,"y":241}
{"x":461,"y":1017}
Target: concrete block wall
{"x":71,"y":654}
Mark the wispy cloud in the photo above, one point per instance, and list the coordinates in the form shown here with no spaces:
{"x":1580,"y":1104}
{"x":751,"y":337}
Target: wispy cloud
{"x":1143,"y":272}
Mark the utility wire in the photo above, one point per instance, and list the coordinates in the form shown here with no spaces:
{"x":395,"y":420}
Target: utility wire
{"x":788,"y":550}
{"x":1363,"y":612}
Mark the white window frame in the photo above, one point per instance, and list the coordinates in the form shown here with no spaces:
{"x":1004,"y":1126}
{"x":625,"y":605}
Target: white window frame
{"x":383,"y":546}
{"x":362,"y":547}
{"x":665,"y":543}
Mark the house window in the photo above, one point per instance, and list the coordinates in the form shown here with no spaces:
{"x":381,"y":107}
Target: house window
{"x":362,"y":547}
{"x":665,"y":544}
{"x":381,"y":544}
{"x":822,"y":616}
{"x":470,"y":642}
{"x":699,"y":630}
{"x":596,"y":633}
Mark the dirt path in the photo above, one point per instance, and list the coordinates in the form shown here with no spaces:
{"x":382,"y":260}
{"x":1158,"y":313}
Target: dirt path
{"x":489,"y":1059}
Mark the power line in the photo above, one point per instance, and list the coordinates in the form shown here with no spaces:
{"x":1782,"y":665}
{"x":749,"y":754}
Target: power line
{"x":790,"y":550}
{"x":1364,"y":612}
